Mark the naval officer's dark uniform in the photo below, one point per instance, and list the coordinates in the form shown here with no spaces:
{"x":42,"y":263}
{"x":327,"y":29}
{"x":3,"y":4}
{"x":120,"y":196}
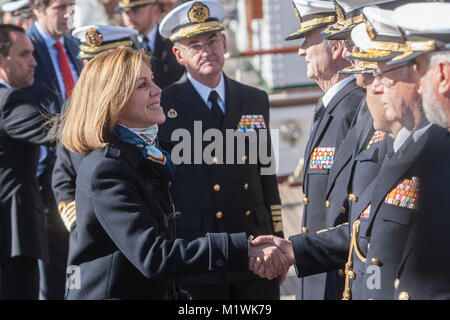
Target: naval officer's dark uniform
{"x":324,"y":142}
{"x":222,"y":197}
{"x":423,"y":272}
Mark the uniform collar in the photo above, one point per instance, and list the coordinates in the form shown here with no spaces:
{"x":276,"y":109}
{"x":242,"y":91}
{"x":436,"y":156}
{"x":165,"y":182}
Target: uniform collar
{"x":6,"y":84}
{"x":204,"y":91}
{"x":335,"y":89}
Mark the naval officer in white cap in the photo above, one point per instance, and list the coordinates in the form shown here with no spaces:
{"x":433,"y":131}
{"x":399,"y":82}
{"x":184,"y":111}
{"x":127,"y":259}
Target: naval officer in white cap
{"x":333,"y":118}
{"x":18,"y":13}
{"x":215,"y":196}
{"x":423,"y":273}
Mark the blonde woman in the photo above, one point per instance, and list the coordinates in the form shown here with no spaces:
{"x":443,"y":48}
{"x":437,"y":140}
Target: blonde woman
{"x":126,"y":248}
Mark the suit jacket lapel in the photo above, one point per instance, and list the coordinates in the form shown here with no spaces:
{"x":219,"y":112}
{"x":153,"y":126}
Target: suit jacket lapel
{"x":72,"y":52}
{"x":193,"y":106}
{"x":233,"y":105}
{"x":46,"y":62}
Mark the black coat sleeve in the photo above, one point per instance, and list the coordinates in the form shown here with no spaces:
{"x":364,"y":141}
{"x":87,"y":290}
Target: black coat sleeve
{"x":321,"y":252}
{"x":24,"y":120}
{"x":122,"y":212}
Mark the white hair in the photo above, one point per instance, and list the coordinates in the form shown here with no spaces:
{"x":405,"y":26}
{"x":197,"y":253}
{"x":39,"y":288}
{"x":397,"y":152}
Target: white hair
{"x":434,"y":57}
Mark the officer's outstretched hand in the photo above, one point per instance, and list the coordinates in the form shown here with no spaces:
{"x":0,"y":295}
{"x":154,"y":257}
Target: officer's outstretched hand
{"x":276,"y":258}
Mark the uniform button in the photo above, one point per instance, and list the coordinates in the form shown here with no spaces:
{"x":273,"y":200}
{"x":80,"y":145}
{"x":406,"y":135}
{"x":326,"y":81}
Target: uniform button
{"x":244,"y":158}
{"x":352,"y":275}
{"x":305,"y":201}
{"x":403,"y":295}
{"x":304,"y":230}
{"x":375,"y":261}
{"x":246,"y":186}
{"x":327,"y":204}
{"x":219,"y":263}
{"x":352,"y":197}
{"x":169,"y":184}
{"x":247,"y":213}
{"x":341,"y":273}
{"x":215,"y":160}
{"x":343,"y":210}
{"x":396,"y":283}
{"x":217,"y":187}
{"x":219,"y":215}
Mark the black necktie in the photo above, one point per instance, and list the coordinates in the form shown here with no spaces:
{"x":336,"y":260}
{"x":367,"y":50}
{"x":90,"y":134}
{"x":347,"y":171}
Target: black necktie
{"x":318,"y":112}
{"x":146,"y":45}
{"x":213,"y":96}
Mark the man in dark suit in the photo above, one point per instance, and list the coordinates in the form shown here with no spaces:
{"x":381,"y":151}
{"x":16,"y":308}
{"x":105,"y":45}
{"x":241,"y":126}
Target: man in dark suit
{"x":332,"y":119}
{"x":142,"y":16}
{"x":213,"y":194}
{"x":56,"y":73}
{"x":24,"y":239}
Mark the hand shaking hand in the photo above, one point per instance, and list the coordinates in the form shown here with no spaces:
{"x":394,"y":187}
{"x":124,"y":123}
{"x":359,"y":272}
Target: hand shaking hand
{"x":271,"y":257}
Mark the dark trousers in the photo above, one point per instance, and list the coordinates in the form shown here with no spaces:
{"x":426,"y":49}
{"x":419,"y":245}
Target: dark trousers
{"x":19,"y":279}
{"x":255,"y":289}
{"x":53,"y":274}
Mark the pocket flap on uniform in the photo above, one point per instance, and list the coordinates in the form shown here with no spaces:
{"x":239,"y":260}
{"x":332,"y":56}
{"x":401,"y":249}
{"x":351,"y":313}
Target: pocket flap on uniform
{"x":396,"y":214}
{"x":367,"y":155}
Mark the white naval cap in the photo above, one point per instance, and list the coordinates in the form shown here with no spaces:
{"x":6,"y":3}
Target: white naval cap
{"x":17,"y":7}
{"x":312,"y":14}
{"x":426,"y":27}
{"x":192,"y":18}
{"x":348,"y":16}
{"x":95,"y":39}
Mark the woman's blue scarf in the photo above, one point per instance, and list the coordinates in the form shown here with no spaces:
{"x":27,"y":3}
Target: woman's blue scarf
{"x":149,"y":147}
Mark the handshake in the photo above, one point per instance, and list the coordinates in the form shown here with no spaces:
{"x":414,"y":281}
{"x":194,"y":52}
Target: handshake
{"x":270,"y":257}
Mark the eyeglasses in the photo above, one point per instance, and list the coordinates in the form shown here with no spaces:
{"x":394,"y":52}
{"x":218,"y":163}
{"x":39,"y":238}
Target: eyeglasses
{"x":380,"y":78}
{"x":212,"y":43}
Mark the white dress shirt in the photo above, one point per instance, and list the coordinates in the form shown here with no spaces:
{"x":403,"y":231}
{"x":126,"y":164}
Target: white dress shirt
{"x":6,"y":84}
{"x":204,"y":91}
{"x":335,"y":89}
{"x":151,"y":36}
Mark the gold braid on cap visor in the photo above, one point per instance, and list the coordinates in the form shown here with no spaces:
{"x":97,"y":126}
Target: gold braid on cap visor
{"x":88,"y":51}
{"x":306,"y":25}
{"x":383,"y":48}
{"x":127,"y":4}
{"x":194,"y":29}
{"x":342,"y":25}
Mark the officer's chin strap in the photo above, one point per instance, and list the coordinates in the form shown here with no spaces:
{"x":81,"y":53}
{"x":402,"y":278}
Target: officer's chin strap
{"x":349,"y":274}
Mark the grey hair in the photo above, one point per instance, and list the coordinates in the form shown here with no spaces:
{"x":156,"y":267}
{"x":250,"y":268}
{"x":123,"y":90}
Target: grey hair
{"x":434,"y":57}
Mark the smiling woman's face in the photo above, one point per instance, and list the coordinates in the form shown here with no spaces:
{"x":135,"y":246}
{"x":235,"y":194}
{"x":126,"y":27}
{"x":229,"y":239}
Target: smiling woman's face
{"x":143,"y":109}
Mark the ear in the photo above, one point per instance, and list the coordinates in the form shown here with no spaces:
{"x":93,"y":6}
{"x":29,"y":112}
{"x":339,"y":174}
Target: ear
{"x":337,"y":50}
{"x":443,"y":69}
{"x":224,"y":39}
{"x":178,"y":55}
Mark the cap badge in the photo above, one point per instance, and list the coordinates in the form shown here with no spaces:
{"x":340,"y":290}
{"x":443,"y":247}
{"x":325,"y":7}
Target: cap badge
{"x":93,"y":38}
{"x":198,"y":13}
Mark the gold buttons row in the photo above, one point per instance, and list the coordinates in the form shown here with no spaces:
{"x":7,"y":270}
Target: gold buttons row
{"x":219,"y":214}
{"x":215,"y":160}
{"x":217,"y":187}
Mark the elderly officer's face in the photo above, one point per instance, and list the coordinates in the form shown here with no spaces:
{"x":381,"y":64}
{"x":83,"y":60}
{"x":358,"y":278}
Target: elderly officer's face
{"x":141,"y":19}
{"x":57,"y":17}
{"x":399,"y":96}
{"x":202,"y":55}
{"x":433,"y":88}
{"x":18,"y":66}
{"x":143,"y":109}
{"x":317,"y":54}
